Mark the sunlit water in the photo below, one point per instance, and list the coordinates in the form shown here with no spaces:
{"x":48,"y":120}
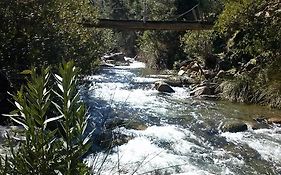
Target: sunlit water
{"x":183,"y":135}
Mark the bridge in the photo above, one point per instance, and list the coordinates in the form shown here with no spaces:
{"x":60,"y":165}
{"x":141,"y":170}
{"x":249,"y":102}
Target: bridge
{"x":149,"y":25}
{"x":141,"y":25}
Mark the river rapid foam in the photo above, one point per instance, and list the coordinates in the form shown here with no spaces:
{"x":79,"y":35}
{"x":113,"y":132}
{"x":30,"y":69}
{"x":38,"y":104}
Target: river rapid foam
{"x":182,"y":136}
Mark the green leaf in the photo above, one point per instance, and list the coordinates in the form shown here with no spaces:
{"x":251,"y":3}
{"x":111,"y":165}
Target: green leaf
{"x":19,"y":122}
{"x":53,"y":119}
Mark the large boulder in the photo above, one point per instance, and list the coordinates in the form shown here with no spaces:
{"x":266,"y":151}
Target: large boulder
{"x":234,"y":127}
{"x":163,"y":87}
{"x":208,"y":89}
{"x":114,"y":56}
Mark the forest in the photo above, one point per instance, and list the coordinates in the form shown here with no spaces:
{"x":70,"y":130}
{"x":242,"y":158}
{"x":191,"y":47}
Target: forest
{"x":39,"y":37}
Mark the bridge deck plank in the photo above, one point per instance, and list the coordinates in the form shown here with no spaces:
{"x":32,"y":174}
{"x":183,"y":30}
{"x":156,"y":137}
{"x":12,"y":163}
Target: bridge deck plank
{"x":150,"y":25}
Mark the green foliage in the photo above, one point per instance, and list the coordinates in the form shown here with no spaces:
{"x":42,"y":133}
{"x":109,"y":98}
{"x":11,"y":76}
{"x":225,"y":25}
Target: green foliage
{"x":160,"y":49}
{"x":45,"y":150}
{"x":254,"y":25}
{"x":198,"y":43}
{"x":40,"y":32}
{"x":239,"y":90}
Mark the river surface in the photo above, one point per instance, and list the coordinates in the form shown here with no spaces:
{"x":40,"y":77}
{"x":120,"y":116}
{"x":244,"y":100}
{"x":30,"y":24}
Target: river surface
{"x":183,"y":135}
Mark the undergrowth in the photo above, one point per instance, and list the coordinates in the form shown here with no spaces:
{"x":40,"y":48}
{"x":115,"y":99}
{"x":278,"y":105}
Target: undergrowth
{"x":262,"y":88}
{"x":41,"y":105}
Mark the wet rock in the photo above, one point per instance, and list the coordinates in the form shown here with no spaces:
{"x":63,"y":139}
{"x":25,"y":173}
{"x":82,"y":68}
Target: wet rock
{"x":195,"y":67}
{"x":107,"y":65}
{"x":234,"y":127}
{"x":109,"y":139}
{"x":121,"y":139}
{"x":203,"y":90}
{"x":181,"y":72}
{"x":183,"y":63}
{"x":174,"y":81}
{"x":184,"y":68}
{"x":274,"y":120}
{"x":186,"y":80}
{"x":126,"y":123}
{"x":163,"y":87}
{"x":258,"y":125}
{"x":114,"y":56}
{"x":209,"y":74}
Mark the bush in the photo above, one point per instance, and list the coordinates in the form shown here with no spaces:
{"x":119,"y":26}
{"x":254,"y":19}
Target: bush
{"x":45,"y":150}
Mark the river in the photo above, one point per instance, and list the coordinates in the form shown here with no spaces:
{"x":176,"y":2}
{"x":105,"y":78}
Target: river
{"x":183,"y":135}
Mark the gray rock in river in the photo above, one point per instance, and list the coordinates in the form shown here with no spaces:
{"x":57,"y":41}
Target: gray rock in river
{"x":203,"y":90}
{"x":126,"y":123}
{"x":234,"y":127}
{"x":163,"y":87}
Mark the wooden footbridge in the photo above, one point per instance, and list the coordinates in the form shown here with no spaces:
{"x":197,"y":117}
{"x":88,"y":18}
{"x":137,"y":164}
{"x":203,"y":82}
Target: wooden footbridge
{"x":150,"y":25}
{"x":140,"y":25}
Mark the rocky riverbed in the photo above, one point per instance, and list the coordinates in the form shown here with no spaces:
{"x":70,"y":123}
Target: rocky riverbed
{"x":179,"y":131}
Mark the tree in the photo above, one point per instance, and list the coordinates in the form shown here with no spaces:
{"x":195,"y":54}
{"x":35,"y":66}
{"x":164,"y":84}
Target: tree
{"x":43,"y":32}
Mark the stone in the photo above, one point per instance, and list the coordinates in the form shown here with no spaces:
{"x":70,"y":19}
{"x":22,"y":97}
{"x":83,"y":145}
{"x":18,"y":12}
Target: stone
{"x":209,"y":74}
{"x":186,"y":80}
{"x":195,"y":67}
{"x":126,"y":123}
{"x":226,"y":74}
{"x":184,"y":68}
{"x":106,"y":65}
{"x":257,"y":125}
{"x":234,"y":127}
{"x":163,"y":87}
{"x":174,"y":81}
{"x":274,"y":120}
{"x":203,"y":90}
{"x":181,"y":72}
{"x":184,"y":63}
{"x":115,"y":56}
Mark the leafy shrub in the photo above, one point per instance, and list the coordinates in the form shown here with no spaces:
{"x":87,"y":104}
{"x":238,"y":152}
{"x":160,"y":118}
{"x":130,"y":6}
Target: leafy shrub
{"x":45,"y":150}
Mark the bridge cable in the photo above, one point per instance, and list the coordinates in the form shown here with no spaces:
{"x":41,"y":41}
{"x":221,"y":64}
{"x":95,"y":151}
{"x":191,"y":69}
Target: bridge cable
{"x":188,"y":11}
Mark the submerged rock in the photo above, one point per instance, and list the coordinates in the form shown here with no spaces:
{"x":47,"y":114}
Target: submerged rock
{"x":126,"y":123}
{"x":234,"y":127}
{"x":163,"y":87}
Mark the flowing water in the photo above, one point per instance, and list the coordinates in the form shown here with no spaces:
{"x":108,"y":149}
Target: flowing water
{"x":183,"y":135}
